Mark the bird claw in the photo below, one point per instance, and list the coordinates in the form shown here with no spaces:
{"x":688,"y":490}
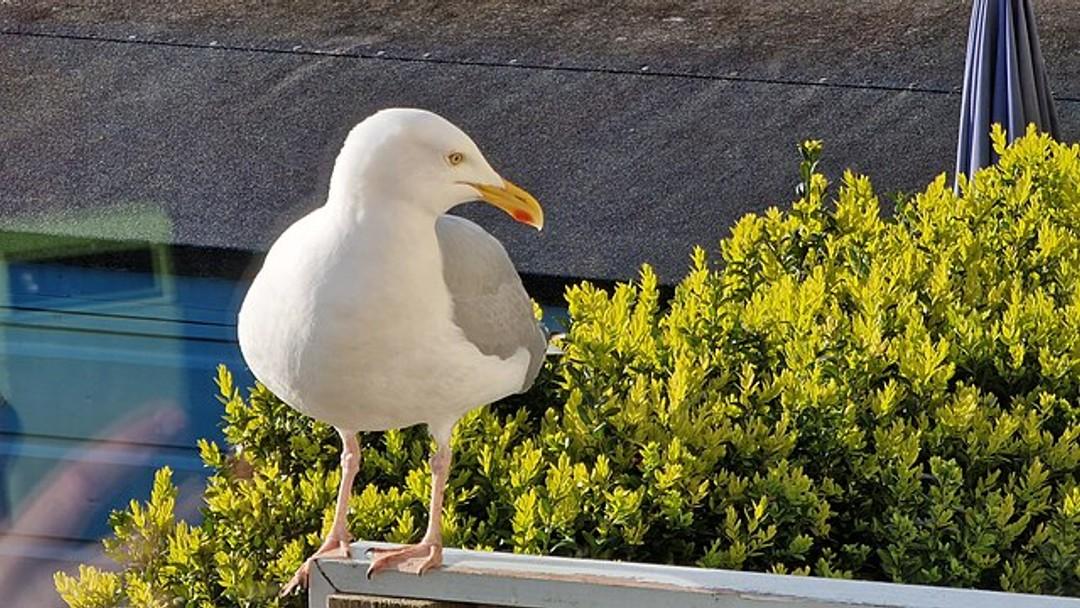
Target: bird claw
{"x":331,"y":547}
{"x":298,"y":580}
{"x":413,"y":559}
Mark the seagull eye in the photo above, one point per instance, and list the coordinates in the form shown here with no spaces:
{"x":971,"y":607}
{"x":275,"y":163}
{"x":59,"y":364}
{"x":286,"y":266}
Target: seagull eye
{"x":455,"y":158}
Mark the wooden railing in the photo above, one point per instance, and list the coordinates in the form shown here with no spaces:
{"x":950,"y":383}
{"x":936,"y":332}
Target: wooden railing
{"x":470,"y":578}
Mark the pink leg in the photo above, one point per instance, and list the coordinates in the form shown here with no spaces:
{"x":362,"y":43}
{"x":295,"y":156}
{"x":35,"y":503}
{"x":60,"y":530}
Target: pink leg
{"x":427,"y":554}
{"x":336,"y":543}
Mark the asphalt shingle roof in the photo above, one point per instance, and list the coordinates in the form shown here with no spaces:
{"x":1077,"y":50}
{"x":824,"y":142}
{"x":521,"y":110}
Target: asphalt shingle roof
{"x":214,"y":124}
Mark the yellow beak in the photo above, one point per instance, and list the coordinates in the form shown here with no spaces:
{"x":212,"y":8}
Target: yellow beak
{"x":518,"y":203}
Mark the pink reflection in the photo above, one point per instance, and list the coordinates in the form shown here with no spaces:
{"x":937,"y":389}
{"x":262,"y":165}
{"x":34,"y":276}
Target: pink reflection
{"x":30,"y":551}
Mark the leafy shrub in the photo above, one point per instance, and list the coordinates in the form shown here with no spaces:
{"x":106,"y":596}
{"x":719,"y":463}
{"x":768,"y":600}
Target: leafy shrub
{"x":840,"y":395}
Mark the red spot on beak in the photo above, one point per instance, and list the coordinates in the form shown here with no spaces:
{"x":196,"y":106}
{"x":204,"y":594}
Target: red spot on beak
{"x":523,"y":217}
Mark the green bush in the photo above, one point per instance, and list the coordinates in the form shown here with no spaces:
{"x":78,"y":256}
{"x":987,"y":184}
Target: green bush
{"x":840,"y":395}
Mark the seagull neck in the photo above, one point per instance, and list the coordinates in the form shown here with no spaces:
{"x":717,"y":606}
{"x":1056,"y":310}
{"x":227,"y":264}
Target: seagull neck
{"x":351,"y":194}
{"x":351,"y":182}
{"x":401,"y":219}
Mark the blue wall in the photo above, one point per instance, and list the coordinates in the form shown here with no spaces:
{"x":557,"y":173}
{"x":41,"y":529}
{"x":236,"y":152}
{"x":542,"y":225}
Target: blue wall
{"x":106,"y":375}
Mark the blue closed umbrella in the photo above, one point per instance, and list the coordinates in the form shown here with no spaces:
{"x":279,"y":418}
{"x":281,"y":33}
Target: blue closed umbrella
{"x":1004,"y":80}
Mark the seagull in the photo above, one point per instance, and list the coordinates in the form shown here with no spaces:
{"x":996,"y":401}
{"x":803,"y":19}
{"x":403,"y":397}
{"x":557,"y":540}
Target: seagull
{"x":379,"y":310}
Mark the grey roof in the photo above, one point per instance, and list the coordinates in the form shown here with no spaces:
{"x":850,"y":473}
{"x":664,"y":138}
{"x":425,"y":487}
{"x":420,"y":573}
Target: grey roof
{"x":642,"y":131}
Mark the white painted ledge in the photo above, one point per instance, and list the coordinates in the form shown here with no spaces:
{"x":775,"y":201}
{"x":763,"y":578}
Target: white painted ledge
{"x":502,"y":579}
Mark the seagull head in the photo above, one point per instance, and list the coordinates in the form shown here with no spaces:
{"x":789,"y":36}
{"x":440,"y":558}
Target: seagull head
{"x":413,"y":157}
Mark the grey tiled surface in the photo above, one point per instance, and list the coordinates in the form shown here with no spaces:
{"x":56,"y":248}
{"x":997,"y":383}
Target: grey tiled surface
{"x":204,"y":126}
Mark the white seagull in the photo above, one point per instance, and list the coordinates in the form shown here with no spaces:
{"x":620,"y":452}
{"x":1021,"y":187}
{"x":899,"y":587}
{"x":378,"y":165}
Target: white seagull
{"x":378,"y":310}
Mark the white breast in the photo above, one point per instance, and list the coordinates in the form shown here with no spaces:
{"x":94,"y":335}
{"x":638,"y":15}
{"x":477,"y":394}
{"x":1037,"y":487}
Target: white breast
{"x":350,"y":323}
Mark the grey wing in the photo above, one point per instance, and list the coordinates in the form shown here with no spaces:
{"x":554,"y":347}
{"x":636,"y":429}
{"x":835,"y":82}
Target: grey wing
{"x":490,"y":304}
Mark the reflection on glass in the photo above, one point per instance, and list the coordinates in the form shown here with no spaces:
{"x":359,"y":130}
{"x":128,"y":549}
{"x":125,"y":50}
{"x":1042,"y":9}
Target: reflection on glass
{"x":107,"y":354}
